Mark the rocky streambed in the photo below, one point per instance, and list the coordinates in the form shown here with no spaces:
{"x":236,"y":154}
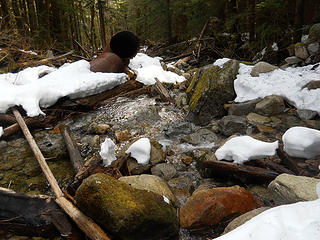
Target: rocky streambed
{"x":178,"y":197}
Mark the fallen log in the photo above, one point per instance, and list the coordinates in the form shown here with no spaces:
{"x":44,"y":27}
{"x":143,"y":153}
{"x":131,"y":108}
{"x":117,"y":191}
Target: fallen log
{"x":74,"y":153}
{"x":288,"y":161}
{"x":269,"y":164}
{"x":32,"y":215}
{"x":90,"y":228}
{"x":239,"y":170}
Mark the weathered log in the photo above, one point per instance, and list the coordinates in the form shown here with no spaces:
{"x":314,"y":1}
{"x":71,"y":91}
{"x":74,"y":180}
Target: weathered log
{"x":163,"y":92}
{"x":90,"y":228}
{"x":36,"y":122}
{"x":249,"y":172}
{"x":32,"y":215}
{"x":92,"y":102}
{"x":269,"y":164}
{"x":74,"y":153}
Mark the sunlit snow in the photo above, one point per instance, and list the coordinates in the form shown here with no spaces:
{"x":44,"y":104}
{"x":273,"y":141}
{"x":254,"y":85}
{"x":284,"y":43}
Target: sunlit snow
{"x":244,"y":148}
{"x":149,"y":68}
{"x":1,"y":131}
{"x":107,"y":152}
{"x":75,"y":80}
{"x":301,"y":142}
{"x":287,"y":83}
{"x":140,"y":150}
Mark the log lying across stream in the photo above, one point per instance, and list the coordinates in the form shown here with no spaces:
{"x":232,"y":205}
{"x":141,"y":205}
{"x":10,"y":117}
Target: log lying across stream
{"x":32,"y":215}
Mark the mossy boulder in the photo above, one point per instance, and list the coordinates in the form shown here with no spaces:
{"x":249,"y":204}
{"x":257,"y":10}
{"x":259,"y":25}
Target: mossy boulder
{"x":210,"y":88}
{"x":126,"y":212}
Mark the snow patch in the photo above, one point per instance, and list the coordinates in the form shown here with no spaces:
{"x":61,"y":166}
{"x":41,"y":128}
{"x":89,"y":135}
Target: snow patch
{"x":166,"y":199}
{"x":140,"y":150}
{"x":301,"y":142}
{"x":149,"y":68}
{"x":244,"y":148}
{"x":107,"y":152}
{"x":286,"y":83}
{"x":75,"y":80}
{"x":221,"y":61}
{"x":1,"y":131}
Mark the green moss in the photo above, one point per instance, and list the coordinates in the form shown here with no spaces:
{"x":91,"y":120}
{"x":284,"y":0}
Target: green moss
{"x":126,"y":212}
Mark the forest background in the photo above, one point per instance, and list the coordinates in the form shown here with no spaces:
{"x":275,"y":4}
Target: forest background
{"x":235,"y":28}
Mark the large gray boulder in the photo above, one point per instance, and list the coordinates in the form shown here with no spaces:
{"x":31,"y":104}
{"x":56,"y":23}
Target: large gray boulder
{"x":210,"y":88}
{"x":292,"y":189}
{"x":262,"y":67}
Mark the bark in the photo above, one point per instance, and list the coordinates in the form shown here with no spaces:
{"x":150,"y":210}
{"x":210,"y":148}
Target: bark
{"x":16,"y":13}
{"x":102,"y":26}
{"x":32,"y":15}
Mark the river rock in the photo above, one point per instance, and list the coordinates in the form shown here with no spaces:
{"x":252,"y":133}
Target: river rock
{"x":230,"y":125}
{"x":182,"y":187}
{"x":306,"y":114}
{"x":243,"y":108}
{"x":243,"y":219}
{"x":314,"y":33}
{"x":313,"y":48}
{"x":254,"y":119}
{"x":200,"y":136}
{"x":210,"y":88}
{"x":150,"y":183}
{"x":293,"y":60}
{"x":123,"y":135}
{"x":126,"y":212}
{"x":270,"y":105}
{"x":262,"y":67}
{"x":291,"y":188}
{"x":314,"y":84}
{"x":177,"y":128}
{"x":301,"y":51}
{"x":205,"y":208}
{"x":164,"y":170}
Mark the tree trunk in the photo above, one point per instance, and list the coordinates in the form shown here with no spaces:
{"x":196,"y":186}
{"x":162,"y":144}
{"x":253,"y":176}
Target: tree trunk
{"x":4,"y":11}
{"x":169,"y":23}
{"x":252,"y":20}
{"x":298,"y":20}
{"x":102,"y":27}
{"x":16,"y":13}
{"x":92,"y":26}
{"x":32,"y":16}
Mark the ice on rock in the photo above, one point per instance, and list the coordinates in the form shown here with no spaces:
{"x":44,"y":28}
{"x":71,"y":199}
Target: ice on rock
{"x":107,"y":152}
{"x":244,"y":148}
{"x":140,"y":150}
{"x":301,"y":142}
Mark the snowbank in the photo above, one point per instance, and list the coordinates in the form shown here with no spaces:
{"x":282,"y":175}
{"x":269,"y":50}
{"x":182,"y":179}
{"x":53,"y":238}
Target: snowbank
{"x":75,"y":80}
{"x":286,"y":83}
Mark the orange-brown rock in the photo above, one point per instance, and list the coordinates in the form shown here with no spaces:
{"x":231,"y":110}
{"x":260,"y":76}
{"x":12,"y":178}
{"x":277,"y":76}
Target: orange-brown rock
{"x":208,"y":207}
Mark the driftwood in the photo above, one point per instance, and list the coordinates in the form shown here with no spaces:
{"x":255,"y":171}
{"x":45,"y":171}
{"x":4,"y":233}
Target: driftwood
{"x":269,"y":164}
{"x":74,"y":153}
{"x":163,"y":92}
{"x":198,"y":45}
{"x":90,"y":228}
{"x":248,"y":172}
{"x":32,"y":215}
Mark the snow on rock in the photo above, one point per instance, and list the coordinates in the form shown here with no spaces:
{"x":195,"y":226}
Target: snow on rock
{"x":221,"y":61}
{"x":298,"y":221}
{"x":107,"y":152}
{"x":301,"y":142}
{"x":75,"y":80}
{"x":140,"y":150}
{"x":287,"y":83}
{"x":244,"y":148}
{"x":148,"y":68}
{"x":1,"y":131}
